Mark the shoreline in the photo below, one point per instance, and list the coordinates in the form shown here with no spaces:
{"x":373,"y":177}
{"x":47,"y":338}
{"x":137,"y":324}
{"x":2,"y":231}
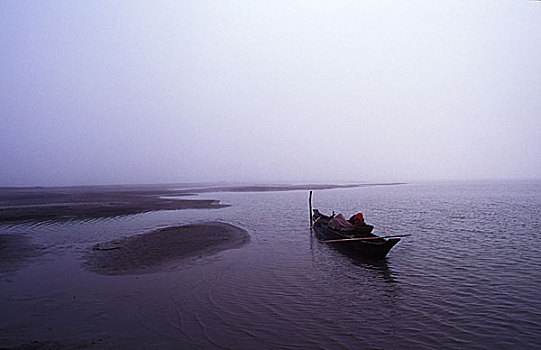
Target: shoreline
{"x":55,"y":205}
{"x":162,"y":249}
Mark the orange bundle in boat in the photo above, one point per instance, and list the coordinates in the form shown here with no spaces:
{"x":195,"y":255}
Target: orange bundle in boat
{"x":357,"y":218}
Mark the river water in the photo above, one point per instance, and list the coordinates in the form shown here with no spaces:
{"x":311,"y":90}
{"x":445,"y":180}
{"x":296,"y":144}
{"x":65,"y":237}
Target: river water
{"x":467,"y":277}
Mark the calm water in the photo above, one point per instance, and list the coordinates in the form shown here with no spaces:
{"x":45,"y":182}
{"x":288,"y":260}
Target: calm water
{"x":466,"y":278}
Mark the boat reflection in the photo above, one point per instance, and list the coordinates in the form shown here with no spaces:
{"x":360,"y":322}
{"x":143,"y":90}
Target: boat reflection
{"x":381,"y":267}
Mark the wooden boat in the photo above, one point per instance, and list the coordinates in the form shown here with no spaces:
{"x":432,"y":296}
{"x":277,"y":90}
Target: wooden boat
{"x":360,"y":240}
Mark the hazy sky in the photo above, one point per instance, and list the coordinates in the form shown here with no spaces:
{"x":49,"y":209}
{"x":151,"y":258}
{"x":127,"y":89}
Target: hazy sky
{"x":107,"y":92}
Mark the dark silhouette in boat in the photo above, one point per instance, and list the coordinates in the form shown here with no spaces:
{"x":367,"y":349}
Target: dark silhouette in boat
{"x":353,"y":234}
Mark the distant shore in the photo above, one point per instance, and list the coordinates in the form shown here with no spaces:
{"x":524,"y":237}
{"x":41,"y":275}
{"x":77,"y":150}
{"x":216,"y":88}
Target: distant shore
{"x":278,"y":188}
{"x":33,"y":204}
{"x":164,"y":248}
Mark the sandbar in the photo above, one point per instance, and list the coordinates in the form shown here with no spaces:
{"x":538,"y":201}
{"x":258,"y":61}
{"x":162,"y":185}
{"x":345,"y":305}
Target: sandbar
{"x":83,"y":203}
{"x":163,"y":249}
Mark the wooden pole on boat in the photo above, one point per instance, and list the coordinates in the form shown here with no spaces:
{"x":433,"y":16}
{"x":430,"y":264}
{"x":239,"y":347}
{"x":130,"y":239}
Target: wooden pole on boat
{"x":361,"y":238}
{"x":310,"y":205}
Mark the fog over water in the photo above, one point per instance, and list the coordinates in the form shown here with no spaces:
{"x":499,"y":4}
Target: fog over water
{"x":103,"y":92}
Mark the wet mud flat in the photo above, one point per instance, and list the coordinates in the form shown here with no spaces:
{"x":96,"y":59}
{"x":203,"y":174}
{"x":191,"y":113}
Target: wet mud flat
{"x":90,"y":298}
{"x":163,"y":248}
{"x":16,"y":251}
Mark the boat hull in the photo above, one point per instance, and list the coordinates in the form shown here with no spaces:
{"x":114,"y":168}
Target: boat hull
{"x":373,"y":248}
